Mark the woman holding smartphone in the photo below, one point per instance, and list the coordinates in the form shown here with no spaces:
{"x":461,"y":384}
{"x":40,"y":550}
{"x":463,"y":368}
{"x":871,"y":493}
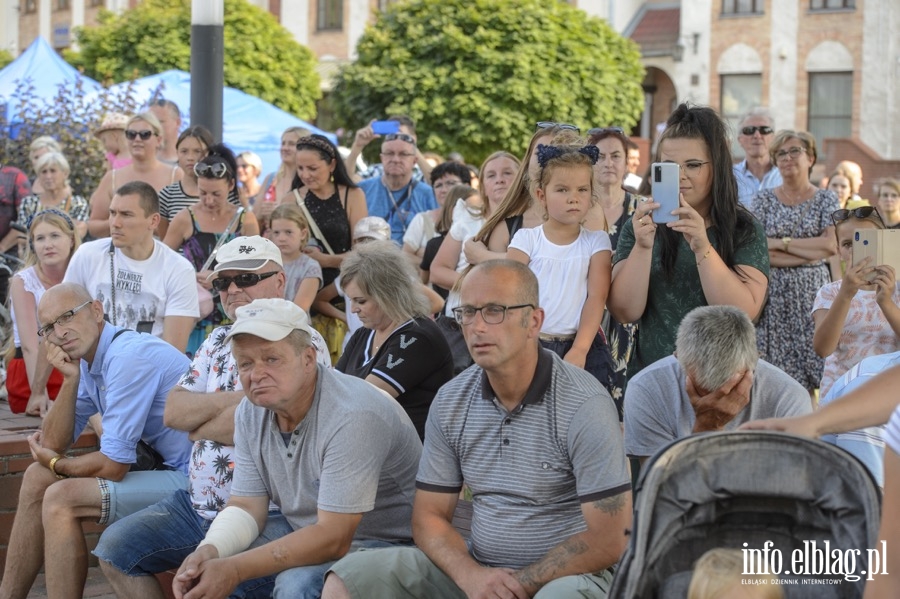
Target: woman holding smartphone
{"x":715,"y":253}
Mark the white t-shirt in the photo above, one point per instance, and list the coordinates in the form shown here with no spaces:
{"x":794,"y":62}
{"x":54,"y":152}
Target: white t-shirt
{"x":146,"y":290}
{"x":419,"y":231}
{"x":465,"y":226}
{"x":892,"y":432}
{"x":562,"y":272}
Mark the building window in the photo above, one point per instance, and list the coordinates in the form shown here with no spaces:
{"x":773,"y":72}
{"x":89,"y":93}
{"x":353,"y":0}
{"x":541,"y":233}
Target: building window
{"x":742,"y":7}
{"x":831,"y":4}
{"x":739,"y":94}
{"x":62,"y":4}
{"x":30,"y":6}
{"x":97,"y":3}
{"x":830,"y":105}
{"x":331,"y":15}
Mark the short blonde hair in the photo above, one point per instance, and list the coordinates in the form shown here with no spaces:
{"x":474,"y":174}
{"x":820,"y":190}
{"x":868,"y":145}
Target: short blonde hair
{"x":147,"y":117}
{"x":720,"y":569}
{"x":293,"y":213}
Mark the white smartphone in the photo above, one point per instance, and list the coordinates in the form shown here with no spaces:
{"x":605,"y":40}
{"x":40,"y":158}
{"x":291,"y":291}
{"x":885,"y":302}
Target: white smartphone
{"x":665,"y":182}
{"x":881,"y":245}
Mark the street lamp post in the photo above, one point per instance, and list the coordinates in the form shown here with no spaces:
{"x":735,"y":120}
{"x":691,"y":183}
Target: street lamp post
{"x":207,"y":64}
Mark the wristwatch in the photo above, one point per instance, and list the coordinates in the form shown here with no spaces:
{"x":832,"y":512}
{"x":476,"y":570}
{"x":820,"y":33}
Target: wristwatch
{"x":786,"y":241}
{"x":52,"y":466}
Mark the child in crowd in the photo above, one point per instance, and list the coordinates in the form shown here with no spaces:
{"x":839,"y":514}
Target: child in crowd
{"x":719,"y":574}
{"x":857,"y":316}
{"x":51,"y":243}
{"x":572,"y":264}
{"x":111,"y":134}
{"x":290,"y":232}
{"x":458,"y":193}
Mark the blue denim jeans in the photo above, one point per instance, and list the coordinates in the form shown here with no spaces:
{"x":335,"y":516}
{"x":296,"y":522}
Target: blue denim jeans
{"x":160,"y":537}
{"x":598,"y":362}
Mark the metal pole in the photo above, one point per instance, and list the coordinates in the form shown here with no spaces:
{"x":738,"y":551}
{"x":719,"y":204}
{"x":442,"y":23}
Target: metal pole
{"x":207,"y":64}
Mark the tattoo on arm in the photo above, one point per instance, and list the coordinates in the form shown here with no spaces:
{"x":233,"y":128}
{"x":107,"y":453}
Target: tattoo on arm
{"x":611,"y":505}
{"x":538,"y":574}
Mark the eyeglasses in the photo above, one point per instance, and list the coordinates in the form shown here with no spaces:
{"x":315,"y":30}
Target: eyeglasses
{"x":604,"y":130}
{"x":216,"y":170}
{"x":446,"y":183}
{"x":888,"y":195}
{"x":242,"y":281}
{"x":130,"y":134}
{"x":839,"y":216}
{"x":547,"y":124}
{"x":392,"y":155}
{"x":401,"y":136}
{"x":62,"y":320}
{"x":491,"y":313}
{"x":763,"y":130}
{"x":692,"y":167}
{"x":794,"y":153}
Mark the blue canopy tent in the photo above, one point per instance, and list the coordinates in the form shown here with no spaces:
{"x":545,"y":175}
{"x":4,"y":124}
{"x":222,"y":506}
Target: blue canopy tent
{"x":249,"y":123}
{"x":40,"y":66}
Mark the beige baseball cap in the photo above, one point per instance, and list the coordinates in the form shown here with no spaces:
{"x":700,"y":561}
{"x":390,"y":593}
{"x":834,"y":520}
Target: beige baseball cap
{"x":271,"y":319}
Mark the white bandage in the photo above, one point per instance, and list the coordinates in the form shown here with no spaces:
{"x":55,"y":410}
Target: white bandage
{"x":231,"y":532}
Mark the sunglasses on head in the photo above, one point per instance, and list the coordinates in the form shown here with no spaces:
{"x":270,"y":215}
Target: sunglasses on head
{"x":839,"y":216}
{"x":401,"y":136}
{"x":603,"y":130}
{"x":547,"y":124}
{"x":763,"y":130}
{"x":242,"y":281}
{"x":217,"y":170}
{"x":130,"y":134}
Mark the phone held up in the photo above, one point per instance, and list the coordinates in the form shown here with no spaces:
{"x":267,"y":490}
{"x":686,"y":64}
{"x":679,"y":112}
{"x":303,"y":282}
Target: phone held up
{"x":665,"y":184}
{"x":385,"y":127}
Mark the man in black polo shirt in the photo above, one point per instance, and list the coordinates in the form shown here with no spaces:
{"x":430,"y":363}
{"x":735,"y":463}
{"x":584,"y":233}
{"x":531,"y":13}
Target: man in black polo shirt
{"x":537,"y":442}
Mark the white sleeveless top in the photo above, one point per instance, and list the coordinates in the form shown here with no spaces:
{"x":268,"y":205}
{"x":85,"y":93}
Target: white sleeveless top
{"x":33,"y":286}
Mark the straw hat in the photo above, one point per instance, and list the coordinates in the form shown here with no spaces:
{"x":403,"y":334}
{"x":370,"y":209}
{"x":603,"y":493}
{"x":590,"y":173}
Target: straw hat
{"x":112,"y":121}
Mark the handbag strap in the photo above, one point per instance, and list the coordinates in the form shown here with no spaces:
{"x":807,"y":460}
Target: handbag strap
{"x":312,"y":223}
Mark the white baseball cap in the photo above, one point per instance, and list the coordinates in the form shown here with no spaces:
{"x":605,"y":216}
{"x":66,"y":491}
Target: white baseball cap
{"x":372,"y":227}
{"x":246,"y":253}
{"x":271,"y":319}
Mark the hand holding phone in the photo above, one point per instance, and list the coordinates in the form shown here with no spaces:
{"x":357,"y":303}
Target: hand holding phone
{"x":385,"y":127}
{"x":664,"y":182}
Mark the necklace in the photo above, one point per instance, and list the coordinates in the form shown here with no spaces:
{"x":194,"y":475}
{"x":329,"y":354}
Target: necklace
{"x":800,"y":197}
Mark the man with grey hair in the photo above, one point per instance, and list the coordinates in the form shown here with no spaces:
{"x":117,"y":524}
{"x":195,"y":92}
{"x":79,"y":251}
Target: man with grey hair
{"x":720,"y":379}
{"x":335,"y":454}
{"x":756,"y":171}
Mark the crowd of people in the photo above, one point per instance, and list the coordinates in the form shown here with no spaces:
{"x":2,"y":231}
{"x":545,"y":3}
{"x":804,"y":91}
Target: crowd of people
{"x":335,"y":357}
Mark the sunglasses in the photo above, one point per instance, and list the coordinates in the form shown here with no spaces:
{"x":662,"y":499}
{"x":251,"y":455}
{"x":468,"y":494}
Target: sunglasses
{"x":763,"y":130}
{"x":839,"y":216}
{"x":130,"y":135}
{"x":217,"y":170}
{"x":401,"y":136}
{"x":242,"y":281}
{"x":547,"y":124}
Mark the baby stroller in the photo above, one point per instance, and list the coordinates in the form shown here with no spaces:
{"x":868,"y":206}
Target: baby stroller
{"x":731,"y":488}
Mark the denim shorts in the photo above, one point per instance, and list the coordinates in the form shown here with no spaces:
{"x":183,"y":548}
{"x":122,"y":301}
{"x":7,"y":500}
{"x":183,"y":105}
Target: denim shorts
{"x":136,"y":491}
{"x":598,"y":362}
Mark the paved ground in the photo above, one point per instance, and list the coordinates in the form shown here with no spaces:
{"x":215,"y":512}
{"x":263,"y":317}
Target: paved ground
{"x":17,"y":424}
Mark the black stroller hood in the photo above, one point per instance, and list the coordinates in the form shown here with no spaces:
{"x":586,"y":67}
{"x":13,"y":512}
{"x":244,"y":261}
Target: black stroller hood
{"x":728,"y":489}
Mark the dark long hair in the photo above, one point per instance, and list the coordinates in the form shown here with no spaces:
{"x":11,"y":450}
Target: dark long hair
{"x":220,"y":153}
{"x":732,"y":222}
{"x":322,"y":146}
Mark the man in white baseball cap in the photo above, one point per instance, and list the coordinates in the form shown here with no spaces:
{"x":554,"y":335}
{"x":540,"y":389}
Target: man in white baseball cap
{"x":337,"y":456}
{"x":203,"y":403}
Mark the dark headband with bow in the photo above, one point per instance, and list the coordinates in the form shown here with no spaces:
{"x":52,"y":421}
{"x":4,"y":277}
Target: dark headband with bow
{"x":547,"y":153}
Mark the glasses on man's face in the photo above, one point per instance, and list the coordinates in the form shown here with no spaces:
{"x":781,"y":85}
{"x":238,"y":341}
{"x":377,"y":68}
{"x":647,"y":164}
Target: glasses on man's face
{"x":763,"y":130}
{"x":604,"y":130}
{"x":839,"y":216}
{"x":131,"y":134}
{"x":547,"y":124}
{"x":216,"y":170}
{"x":794,"y":153}
{"x":446,"y":183}
{"x":62,"y":320}
{"x":393,"y":155}
{"x":491,"y":313}
{"x":401,"y":136}
{"x":242,"y":281}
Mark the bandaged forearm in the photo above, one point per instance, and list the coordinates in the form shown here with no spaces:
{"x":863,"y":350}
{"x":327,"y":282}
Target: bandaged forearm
{"x":231,"y":532}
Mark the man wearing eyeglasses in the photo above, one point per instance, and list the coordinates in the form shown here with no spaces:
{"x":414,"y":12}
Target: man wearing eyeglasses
{"x":756,"y":171}
{"x":203,"y":403}
{"x":140,"y":282}
{"x":125,"y":377}
{"x":537,"y":442}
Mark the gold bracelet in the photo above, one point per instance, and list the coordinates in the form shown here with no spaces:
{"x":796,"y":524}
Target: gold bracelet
{"x":706,"y":255}
{"x":52,"y":466}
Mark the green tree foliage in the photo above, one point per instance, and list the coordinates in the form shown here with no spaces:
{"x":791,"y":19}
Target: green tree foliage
{"x":5,"y":58}
{"x":70,"y":118}
{"x":477,"y":74}
{"x":261,"y":57}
